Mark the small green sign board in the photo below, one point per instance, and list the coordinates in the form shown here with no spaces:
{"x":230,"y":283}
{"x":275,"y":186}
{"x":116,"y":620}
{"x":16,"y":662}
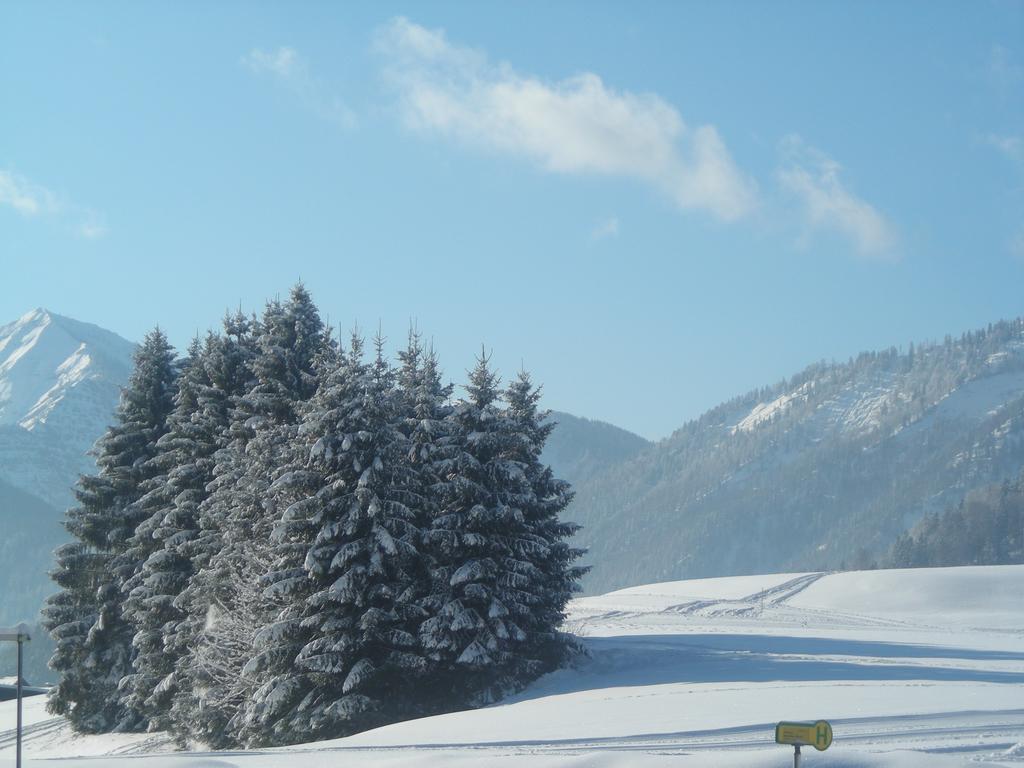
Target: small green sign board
{"x":817,"y":735}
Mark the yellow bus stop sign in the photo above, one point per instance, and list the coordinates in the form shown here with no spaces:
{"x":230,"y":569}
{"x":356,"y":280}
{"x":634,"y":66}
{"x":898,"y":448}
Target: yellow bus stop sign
{"x":817,"y":735}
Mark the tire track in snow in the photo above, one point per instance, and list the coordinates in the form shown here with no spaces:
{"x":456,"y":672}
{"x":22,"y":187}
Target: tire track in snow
{"x":772,"y":597}
{"x":989,"y":730}
{"x":994,"y":729}
{"x":9,"y":737}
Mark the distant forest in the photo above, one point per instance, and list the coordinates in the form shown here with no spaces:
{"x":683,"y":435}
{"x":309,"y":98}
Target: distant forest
{"x":849,"y":454}
{"x":985,"y":528}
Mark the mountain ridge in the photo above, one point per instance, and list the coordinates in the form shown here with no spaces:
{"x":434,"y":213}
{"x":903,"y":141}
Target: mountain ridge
{"x":819,"y":471}
{"x":846,"y":455}
{"x":60,"y":380}
{"x":580,"y":448}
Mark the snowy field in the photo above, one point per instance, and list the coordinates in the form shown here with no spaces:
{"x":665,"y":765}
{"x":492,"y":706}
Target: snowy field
{"x":912,"y":667}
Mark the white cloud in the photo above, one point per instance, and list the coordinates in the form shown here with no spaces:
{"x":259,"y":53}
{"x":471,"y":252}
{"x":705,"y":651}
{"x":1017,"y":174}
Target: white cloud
{"x":25,"y":197}
{"x":1011,"y":146}
{"x":1002,"y":67}
{"x":813,"y":178}
{"x":291,"y":70}
{"x":284,"y":62}
{"x":606,"y":228}
{"x":91,"y":227}
{"x":1017,"y":245}
{"x":578,"y":125}
{"x":33,"y":200}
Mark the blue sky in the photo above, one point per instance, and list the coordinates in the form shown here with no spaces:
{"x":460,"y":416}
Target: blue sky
{"x":652,"y":206}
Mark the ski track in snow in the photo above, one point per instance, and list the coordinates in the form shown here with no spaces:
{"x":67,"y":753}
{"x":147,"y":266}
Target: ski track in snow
{"x":696,"y":674}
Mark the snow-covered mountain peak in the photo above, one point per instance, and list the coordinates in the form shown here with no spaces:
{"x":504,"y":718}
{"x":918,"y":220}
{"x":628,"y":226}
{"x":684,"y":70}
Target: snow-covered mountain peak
{"x":51,"y":364}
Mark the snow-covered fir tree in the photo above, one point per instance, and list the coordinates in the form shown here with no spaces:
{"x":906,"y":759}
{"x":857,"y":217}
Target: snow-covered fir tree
{"x":94,"y":649}
{"x":286,"y":543}
{"x":226,"y":593}
{"x":145,"y":584}
{"x":424,"y":403}
{"x":211,"y":375}
{"x":493,"y":610}
{"x":542,"y":500}
{"x":343,"y":654}
{"x":229,"y":367}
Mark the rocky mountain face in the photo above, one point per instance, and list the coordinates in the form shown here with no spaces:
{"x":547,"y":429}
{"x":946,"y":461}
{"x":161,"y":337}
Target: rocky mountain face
{"x":59,"y":383}
{"x":821,"y":471}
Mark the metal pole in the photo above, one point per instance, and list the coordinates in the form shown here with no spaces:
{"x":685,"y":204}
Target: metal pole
{"x":796,"y":756}
{"x":17,"y":760}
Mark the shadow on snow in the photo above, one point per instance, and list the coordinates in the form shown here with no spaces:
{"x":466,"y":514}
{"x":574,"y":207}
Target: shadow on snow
{"x":636,"y":660}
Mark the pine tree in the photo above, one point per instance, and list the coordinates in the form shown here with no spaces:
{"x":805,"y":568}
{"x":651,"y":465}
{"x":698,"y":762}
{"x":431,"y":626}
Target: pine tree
{"x":502,"y":572}
{"x":422,"y":406}
{"x":472,"y":631}
{"x":225,"y":598}
{"x":166,"y":540}
{"x":423,"y":401}
{"x":85,"y":618}
{"x":228,"y":366}
{"x":138,"y":585}
{"x":284,"y":543}
{"x":549,"y":558}
{"x":343,"y":658}
{"x":903,"y":554}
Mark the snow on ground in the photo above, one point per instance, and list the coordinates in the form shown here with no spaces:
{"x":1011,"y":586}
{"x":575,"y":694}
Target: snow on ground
{"x":912,"y":667}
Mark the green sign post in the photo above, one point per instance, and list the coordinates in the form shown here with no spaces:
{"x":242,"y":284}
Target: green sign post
{"x":817,"y":735}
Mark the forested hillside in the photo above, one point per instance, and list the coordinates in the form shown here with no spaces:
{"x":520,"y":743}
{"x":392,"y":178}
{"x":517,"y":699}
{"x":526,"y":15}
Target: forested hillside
{"x":580,"y":449}
{"x":985,"y":528}
{"x":822,"y":470}
{"x":30,"y":529}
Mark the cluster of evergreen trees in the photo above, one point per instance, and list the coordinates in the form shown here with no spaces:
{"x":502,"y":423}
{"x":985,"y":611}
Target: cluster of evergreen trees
{"x":985,"y":528}
{"x":286,"y":542}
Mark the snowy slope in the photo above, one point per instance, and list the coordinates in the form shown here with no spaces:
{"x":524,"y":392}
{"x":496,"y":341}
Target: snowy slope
{"x":913,"y":668}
